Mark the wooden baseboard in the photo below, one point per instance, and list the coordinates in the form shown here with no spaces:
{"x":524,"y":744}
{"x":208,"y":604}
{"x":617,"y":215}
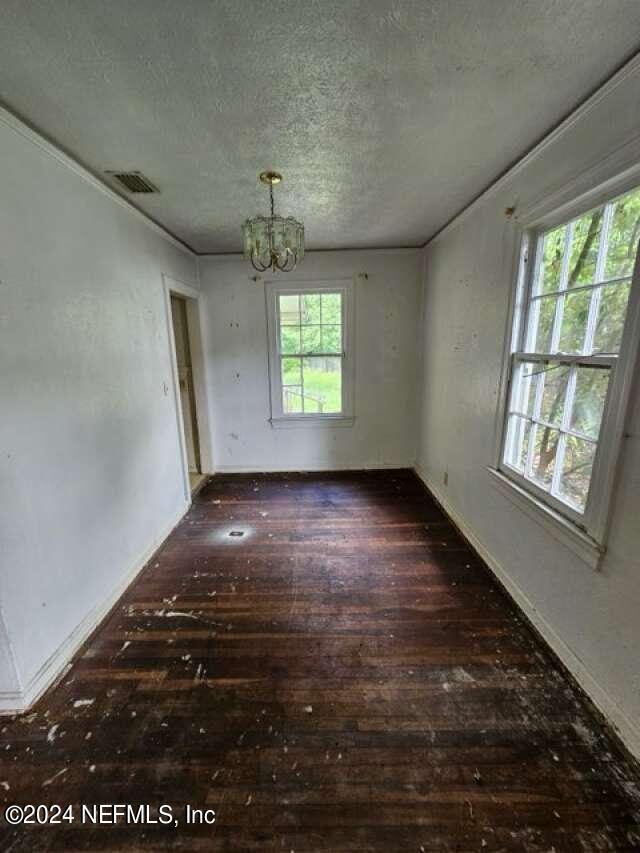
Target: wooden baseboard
{"x":57,"y":664}
{"x":627,"y":730}
{"x":266,"y":469}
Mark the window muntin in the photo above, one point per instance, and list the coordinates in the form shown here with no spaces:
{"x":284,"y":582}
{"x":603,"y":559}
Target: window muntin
{"x":309,"y":347}
{"x":553,"y":426}
{"x":310,"y":351}
{"x":563,"y":366}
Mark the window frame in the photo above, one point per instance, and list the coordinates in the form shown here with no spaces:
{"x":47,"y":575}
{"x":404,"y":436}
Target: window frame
{"x":278,"y":418}
{"x":588,"y":529}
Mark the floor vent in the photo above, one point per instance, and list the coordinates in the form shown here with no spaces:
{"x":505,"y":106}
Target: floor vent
{"x":134,"y":182}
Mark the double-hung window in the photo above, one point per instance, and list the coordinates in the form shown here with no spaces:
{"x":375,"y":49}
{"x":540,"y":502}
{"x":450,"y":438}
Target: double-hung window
{"x":310,"y":352}
{"x":572,"y":357}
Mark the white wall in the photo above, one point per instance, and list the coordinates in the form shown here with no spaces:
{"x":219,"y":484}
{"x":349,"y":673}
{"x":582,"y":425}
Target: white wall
{"x":386,"y":312}
{"x":90,"y":472}
{"x":590,"y":617}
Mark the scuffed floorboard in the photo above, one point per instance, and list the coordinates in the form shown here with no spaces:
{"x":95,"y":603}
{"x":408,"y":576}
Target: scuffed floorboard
{"x":345,"y":676}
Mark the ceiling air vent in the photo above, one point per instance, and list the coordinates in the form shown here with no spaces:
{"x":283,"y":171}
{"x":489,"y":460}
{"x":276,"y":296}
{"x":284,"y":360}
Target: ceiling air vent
{"x":134,"y":182}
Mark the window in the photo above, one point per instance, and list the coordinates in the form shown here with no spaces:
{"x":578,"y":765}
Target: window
{"x":310,"y":363}
{"x":572,"y":357}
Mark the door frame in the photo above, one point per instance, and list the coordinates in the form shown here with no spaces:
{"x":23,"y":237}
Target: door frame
{"x":172,"y":286}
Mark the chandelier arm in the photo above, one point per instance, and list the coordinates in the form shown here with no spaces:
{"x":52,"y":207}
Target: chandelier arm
{"x":287,"y":266}
{"x":257,"y":266}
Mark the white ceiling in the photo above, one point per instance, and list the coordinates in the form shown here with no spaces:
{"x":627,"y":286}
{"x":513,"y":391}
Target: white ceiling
{"x":385,"y":116}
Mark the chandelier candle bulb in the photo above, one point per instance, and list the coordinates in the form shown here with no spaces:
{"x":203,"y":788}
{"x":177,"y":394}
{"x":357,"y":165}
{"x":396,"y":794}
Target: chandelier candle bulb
{"x":273,"y":242}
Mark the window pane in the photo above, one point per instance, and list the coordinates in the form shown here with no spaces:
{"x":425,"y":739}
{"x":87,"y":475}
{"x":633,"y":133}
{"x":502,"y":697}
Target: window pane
{"x":584,"y":248}
{"x":310,"y":308}
{"x":291,"y":371}
{"x":611,"y":317}
{"x":545,"y":446}
{"x":576,"y":471}
{"x":289,"y":309}
{"x":292,"y":399}
{"x":555,"y":379}
{"x":551,"y":436}
{"x":332,"y":339}
{"x":623,"y":236}
{"x":289,"y":339}
{"x":322,"y":380}
{"x":523,"y":393}
{"x":589,"y":399}
{"x":311,"y":338}
{"x":574,"y":321}
{"x":518,"y":433}
{"x":551,"y":266}
{"x":332,"y":308}
{"x":542,"y":315}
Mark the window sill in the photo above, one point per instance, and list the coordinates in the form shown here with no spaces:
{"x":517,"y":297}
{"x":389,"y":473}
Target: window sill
{"x":293,"y":422}
{"x":576,"y":540}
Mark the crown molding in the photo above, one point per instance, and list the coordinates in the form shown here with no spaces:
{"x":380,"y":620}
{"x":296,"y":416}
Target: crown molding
{"x":615,"y":173}
{"x":36,"y":138}
{"x":399,"y":250}
{"x":629,"y":69}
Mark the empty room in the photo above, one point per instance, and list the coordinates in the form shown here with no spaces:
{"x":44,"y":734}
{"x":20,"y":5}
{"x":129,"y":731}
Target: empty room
{"x":320,"y":426}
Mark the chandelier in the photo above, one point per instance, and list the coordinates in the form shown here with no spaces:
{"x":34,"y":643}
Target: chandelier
{"x":273,"y":242}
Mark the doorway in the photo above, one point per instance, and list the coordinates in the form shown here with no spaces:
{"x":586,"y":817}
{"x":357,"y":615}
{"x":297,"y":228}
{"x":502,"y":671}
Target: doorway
{"x":184,"y":365}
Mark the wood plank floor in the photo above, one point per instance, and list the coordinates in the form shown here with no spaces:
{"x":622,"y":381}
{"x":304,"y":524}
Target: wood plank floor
{"x":344,"y":676}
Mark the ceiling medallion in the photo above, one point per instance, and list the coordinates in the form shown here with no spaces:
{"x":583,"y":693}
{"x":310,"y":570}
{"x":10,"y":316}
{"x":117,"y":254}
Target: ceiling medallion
{"x":273,"y":242}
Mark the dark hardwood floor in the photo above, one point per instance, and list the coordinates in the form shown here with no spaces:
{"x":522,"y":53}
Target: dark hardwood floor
{"x":344,"y":676}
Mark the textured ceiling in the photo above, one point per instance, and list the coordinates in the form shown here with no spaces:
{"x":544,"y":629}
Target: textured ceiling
{"x":386,"y":118}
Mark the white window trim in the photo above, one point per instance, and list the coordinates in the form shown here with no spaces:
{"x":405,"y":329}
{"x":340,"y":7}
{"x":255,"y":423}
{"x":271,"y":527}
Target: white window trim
{"x":346,"y":418}
{"x":584,"y":534}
